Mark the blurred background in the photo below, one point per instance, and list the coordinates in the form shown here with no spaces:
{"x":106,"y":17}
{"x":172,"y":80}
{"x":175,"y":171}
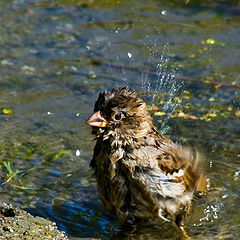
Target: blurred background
{"x":182,"y":57}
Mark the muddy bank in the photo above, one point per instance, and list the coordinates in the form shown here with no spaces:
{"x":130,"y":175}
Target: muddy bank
{"x":17,"y":224}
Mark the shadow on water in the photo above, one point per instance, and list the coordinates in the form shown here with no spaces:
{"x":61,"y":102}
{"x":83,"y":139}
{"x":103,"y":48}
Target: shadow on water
{"x":56,"y":56}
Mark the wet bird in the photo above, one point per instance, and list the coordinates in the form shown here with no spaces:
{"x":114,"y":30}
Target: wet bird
{"x":140,"y":173}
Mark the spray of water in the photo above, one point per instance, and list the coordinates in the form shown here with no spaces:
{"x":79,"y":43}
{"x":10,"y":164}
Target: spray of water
{"x":165,"y":83}
{"x":154,"y":57}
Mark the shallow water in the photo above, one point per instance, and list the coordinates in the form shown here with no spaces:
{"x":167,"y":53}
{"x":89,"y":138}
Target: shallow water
{"x":56,"y":56}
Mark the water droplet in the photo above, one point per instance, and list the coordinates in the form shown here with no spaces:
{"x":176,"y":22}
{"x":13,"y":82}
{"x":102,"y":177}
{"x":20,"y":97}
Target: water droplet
{"x":210,"y":164}
{"x":78,"y":153}
{"x":129,"y":55}
{"x":225,"y":196}
{"x":236,"y":175}
{"x":164,"y":12}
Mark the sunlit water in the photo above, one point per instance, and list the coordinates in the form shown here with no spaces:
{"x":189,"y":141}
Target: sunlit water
{"x":56,"y":56}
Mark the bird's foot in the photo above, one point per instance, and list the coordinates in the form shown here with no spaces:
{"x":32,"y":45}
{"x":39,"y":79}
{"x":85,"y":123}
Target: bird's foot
{"x":185,"y":235}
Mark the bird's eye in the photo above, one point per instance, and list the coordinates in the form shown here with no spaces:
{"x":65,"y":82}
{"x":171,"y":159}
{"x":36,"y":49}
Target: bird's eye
{"x":119,"y":116}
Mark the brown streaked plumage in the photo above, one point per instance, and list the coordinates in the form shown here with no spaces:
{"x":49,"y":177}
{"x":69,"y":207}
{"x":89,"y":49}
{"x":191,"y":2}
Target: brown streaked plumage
{"x":140,"y":173}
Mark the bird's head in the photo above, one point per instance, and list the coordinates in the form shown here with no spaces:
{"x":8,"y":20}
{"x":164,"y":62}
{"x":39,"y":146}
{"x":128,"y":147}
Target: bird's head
{"x":120,"y":113}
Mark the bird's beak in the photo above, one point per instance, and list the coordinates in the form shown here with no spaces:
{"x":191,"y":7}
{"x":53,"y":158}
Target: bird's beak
{"x":97,"y":120}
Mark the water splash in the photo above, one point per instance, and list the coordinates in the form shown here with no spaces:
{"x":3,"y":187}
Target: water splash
{"x":211,"y":213}
{"x":165,"y":83}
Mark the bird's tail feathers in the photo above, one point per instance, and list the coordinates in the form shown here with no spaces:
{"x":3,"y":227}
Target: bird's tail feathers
{"x":196,"y":169}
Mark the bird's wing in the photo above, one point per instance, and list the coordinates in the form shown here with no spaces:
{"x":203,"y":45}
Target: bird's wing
{"x":183,"y":165}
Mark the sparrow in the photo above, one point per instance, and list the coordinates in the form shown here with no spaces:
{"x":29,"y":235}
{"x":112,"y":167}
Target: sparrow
{"x":140,"y":173}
